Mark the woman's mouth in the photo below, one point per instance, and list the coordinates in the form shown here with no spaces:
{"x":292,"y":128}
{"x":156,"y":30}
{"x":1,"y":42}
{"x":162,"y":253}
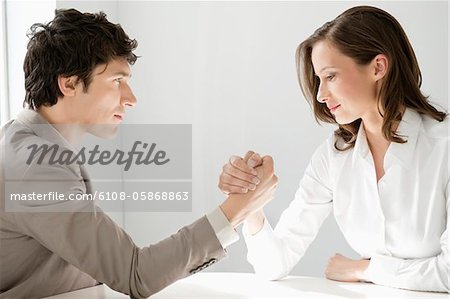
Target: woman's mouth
{"x":334,"y":108}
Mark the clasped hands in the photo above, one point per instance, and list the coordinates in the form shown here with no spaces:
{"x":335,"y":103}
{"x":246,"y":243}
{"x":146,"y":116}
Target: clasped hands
{"x":250,"y":183}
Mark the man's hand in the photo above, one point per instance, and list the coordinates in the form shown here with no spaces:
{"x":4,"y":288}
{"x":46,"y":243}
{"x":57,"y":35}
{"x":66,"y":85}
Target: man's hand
{"x":342,"y":268}
{"x":239,"y":175}
{"x":237,"y":207}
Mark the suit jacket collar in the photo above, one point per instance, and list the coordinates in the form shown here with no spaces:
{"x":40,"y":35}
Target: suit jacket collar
{"x":42,"y":128}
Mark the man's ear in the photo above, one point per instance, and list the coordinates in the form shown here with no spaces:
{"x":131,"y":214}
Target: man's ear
{"x":68,"y":85}
{"x":380,"y":66}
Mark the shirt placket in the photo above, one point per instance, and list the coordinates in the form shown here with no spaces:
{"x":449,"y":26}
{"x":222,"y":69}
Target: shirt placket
{"x":378,"y":190}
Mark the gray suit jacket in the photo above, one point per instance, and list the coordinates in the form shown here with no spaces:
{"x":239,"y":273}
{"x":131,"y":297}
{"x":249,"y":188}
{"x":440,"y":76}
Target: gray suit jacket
{"x":45,"y":253}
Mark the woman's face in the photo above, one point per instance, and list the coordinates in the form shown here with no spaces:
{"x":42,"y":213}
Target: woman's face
{"x":349,"y":90}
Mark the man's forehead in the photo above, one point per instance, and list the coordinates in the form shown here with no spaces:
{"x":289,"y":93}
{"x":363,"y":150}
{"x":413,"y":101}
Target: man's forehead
{"x":114,"y":67}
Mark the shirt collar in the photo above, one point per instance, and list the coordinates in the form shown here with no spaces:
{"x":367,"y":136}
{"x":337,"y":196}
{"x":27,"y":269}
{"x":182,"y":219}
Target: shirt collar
{"x":361,"y":148}
{"x":408,"y":130}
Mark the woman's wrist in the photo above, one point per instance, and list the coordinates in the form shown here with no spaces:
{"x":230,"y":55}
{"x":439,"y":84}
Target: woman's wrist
{"x":361,"y":267}
{"x":255,"y":222}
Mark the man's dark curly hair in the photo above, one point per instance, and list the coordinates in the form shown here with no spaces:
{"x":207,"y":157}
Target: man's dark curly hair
{"x":72,"y":44}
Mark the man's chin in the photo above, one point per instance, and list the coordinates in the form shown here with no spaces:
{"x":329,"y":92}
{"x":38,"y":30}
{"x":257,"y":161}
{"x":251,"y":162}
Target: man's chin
{"x":103,"y":131}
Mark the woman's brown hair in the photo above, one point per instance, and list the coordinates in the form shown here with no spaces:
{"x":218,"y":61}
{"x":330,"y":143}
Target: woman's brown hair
{"x":361,"y":33}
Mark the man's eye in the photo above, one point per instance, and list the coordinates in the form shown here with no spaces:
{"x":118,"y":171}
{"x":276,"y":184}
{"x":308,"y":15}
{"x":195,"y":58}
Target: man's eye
{"x":118,"y":80}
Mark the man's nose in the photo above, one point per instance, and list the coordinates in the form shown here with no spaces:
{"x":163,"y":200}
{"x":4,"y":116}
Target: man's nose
{"x":128,"y":98}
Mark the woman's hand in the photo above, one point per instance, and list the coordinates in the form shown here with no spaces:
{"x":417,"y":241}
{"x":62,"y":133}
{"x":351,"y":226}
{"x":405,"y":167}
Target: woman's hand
{"x":238,"y":207}
{"x":342,"y":268}
{"x":238,"y":175}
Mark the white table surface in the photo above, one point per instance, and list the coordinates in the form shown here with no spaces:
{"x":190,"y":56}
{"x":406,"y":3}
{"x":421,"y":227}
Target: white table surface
{"x":246,"y":285}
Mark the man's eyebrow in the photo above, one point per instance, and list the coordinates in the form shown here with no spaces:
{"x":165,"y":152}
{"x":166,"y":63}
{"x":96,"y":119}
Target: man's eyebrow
{"x":122,"y":73}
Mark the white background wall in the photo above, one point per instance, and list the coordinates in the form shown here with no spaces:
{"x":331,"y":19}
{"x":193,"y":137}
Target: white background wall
{"x":20,"y":15}
{"x":4,"y":109}
{"x":228,"y":68}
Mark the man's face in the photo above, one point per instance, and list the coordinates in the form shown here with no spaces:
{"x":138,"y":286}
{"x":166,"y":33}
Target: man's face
{"x":102,"y":106}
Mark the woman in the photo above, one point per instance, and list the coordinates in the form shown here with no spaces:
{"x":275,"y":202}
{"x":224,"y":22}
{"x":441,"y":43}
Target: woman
{"x":384,"y":172}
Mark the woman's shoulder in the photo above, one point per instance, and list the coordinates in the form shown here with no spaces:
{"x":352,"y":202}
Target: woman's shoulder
{"x":435,"y":129}
{"x":328,"y":148}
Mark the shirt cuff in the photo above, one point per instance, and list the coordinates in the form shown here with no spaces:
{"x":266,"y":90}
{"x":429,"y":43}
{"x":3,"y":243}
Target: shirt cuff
{"x":225,"y":232}
{"x":381,"y":269}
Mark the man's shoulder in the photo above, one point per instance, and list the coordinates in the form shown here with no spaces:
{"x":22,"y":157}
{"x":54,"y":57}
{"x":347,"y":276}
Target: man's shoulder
{"x":31,"y":172}
{"x":16,"y":135}
{"x":28,"y":154}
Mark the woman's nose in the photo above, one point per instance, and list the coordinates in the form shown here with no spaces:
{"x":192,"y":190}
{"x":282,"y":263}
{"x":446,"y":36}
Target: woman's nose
{"x":322,"y":94}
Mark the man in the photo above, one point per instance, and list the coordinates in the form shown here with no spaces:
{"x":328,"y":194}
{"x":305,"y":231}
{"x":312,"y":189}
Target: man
{"x":76,"y":72}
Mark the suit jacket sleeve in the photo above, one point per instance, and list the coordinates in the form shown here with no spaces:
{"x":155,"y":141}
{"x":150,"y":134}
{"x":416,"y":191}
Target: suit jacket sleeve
{"x":96,"y":245}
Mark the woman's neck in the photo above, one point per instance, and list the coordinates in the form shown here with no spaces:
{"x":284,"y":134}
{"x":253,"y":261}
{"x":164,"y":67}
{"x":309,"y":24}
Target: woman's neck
{"x":373,"y":127}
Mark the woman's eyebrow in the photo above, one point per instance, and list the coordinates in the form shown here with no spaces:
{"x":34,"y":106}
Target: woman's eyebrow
{"x":326,"y":67}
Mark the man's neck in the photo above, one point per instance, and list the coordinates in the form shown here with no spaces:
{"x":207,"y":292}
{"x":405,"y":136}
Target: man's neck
{"x":58,"y":118}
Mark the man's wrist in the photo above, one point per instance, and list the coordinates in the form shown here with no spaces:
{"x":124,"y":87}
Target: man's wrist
{"x":235,"y":216}
{"x":229,"y":213}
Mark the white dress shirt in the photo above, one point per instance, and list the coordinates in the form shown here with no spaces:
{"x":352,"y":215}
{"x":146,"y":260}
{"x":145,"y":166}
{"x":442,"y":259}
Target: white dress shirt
{"x":400,"y":223}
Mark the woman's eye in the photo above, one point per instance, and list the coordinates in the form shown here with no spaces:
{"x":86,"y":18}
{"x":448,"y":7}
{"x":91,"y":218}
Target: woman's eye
{"x":330,"y":77}
{"x":118,"y":80}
